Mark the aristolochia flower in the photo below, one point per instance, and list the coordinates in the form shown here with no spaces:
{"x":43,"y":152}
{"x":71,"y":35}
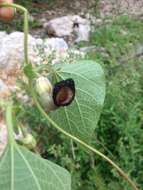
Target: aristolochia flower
{"x":61,"y":94}
{"x":64,"y":92}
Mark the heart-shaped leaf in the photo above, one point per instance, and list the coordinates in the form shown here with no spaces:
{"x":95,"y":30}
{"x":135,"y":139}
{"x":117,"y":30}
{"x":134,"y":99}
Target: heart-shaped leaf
{"x":81,"y":117}
{"x":20,"y":169}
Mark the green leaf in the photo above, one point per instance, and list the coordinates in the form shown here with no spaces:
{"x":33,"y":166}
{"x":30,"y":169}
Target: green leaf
{"x":20,"y":169}
{"x":81,"y":117}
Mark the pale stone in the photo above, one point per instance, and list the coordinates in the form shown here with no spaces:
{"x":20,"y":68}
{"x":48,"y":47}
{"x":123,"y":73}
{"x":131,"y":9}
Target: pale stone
{"x":12,"y":50}
{"x":68,"y":26}
{"x":59,"y":27}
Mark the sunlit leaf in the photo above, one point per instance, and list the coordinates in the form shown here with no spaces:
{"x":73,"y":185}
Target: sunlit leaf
{"x":81,"y":117}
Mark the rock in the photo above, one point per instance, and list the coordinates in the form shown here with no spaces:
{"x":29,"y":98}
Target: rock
{"x":82,"y":32}
{"x":88,"y":16}
{"x":39,"y":42}
{"x":80,"y":20}
{"x":98,"y":22}
{"x":3,"y":88}
{"x":139,"y":49}
{"x":55,"y":44}
{"x":2,"y":35}
{"x":68,"y":26}
{"x":31,"y":18}
{"x":42,"y":20}
{"x":56,"y":48}
{"x":105,"y":55}
{"x":93,"y":20}
{"x":88,"y":49}
{"x":12,"y":50}
{"x":12,"y":57}
{"x":59,"y":27}
{"x":81,"y":29}
{"x":77,"y":4}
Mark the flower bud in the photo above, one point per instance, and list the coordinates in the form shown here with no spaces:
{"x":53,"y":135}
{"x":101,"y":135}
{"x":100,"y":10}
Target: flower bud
{"x":43,"y":85}
{"x":47,"y":102}
{"x":29,"y":141}
{"x":44,"y":89}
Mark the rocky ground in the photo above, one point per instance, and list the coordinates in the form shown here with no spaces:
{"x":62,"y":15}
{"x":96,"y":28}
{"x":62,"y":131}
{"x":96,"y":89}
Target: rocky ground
{"x":97,"y":12}
{"x":101,"y":7}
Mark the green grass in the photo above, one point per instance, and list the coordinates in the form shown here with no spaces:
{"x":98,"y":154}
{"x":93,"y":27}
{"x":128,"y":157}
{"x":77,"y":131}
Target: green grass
{"x":120,"y":127}
{"x":118,"y":38}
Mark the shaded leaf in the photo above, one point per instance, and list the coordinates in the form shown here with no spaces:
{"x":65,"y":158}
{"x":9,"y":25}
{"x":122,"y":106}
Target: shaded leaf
{"x":20,"y":169}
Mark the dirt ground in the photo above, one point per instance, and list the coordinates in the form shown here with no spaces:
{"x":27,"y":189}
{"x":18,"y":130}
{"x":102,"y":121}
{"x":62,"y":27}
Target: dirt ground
{"x":101,"y":8}
{"x":98,"y":8}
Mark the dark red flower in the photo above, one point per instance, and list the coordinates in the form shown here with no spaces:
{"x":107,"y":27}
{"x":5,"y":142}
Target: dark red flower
{"x":64,"y":92}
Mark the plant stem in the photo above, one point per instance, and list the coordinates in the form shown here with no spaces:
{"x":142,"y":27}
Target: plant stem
{"x":24,"y":10}
{"x":72,"y":149}
{"x":9,"y":123}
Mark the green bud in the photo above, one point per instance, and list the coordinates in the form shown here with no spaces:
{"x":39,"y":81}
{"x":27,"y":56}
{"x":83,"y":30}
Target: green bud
{"x":45,"y":90}
{"x":43,"y":86}
{"x":47,"y":102}
{"x":29,"y":141}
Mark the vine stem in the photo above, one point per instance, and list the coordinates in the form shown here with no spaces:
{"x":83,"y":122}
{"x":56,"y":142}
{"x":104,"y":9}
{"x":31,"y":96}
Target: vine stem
{"x":8,"y":117}
{"x":9,"y":122}
{"x":9,"y":109}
